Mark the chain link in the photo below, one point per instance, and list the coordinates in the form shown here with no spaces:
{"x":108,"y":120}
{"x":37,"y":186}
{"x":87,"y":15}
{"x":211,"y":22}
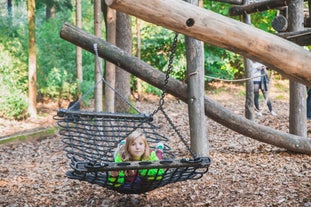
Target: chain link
{"x":164,"y":91}
{"x":167,"y":74}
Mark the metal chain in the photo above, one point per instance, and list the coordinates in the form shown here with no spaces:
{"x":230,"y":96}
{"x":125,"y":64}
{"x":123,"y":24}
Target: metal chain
{"x":167,"y":74}
{"x":164,"y":91}
{"x":178,"y":133}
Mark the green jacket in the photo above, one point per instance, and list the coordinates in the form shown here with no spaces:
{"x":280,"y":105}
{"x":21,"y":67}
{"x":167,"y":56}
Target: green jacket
{"x":149,"y":174}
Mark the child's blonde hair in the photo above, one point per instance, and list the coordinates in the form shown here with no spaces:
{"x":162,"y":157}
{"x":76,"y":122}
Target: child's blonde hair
{"x":124,"y":150}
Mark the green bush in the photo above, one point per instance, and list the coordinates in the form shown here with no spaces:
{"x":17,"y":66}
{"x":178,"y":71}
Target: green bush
{"x":13,"y":86}
{"x":13,"y":103}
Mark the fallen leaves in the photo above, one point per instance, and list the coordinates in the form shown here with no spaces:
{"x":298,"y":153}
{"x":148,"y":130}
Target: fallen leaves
{"x":244,"y":172}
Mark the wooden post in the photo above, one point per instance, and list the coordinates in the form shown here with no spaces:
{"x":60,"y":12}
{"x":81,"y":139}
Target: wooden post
{"x":297,"y":98}
{"x":98,"y":91}
{"x":249,"y":86}
{"x":282,"y":55}
{"x":110,"y":72}
{"x":195,"y":77}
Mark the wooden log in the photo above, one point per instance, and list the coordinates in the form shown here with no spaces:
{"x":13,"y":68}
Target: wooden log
{"x":224,"y":32}
{"x":302,"y":38}
{"x":195,"y":80}
{"x":256,"y":7}
{"x":280,"y":23}
{"x":178,"y":89}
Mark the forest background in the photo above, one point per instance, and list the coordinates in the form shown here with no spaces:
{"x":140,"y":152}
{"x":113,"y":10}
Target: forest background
{"x":56,"y":58}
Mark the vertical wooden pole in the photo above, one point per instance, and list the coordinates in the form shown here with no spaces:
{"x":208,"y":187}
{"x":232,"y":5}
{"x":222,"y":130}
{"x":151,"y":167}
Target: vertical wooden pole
{"x":195,"y":76}
{"x":98,"y":61}
{"x":139,"y":81}
{"x":297,"y":107}
{"x":249,"y":101}
{"x":32,"y":60}
{"x":110,"y":73}
{"x":79,"y":49}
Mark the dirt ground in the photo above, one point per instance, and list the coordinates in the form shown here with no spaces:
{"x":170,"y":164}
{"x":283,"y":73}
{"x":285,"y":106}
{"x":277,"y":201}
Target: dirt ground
{"x":244,"y":172}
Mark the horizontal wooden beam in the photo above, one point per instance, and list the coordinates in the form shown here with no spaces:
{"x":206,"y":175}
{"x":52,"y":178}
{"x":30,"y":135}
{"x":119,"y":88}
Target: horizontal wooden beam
{"x":288,"y":58}
{"x":302,"y":38}
{"x":256,"y":7}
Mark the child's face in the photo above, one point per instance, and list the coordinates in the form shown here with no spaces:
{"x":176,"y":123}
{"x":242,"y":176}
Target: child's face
{"x":137,"y":148}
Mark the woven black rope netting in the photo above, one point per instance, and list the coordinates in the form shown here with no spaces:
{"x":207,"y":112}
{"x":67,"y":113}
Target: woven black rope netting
{"x":90,"y":139}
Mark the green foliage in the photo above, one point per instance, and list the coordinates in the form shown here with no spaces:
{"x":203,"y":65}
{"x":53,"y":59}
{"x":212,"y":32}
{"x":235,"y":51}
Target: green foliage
{"x":218,"y":63}
{"x":60,"y":5}
{"x":87,"y":89}
{"x":155,"y":50}
{"x":150,"y":89}
{"x":217,"y":7}
{"x":56,"y":62}
{"x":262,"y":20}
{"x":156,"y":46}
{"x":56,"y":75}
{"x":13,"y":101}
{"x":13,"y":69}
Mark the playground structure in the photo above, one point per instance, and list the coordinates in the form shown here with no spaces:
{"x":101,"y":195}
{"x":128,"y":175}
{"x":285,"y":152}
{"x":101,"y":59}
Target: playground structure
{"x":256,"y":44}
{"x":90,"y":138}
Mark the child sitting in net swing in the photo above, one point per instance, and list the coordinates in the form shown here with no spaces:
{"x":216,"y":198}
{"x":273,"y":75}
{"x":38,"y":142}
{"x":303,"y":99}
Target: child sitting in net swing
{"x":135,"y":148}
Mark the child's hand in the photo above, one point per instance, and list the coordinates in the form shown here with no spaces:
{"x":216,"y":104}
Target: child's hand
{"x":114,"y":173}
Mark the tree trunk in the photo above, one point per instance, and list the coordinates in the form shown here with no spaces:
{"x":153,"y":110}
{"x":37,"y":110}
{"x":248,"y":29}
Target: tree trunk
{"x":32,"y":60}
{"x":9,"y":8}
{"x":98,"y":60}
{"x":212,"y":109}
{"x":123,"y":41}
{"x":195,"y":78}
{"x":139,"y":82}
{"x":50,"y":9}
{"x":79,"y":49}
{"x":223,"y":32}
{"x":110,"y":72}
{"x":249,"y":100}
{"x":297,"y":109}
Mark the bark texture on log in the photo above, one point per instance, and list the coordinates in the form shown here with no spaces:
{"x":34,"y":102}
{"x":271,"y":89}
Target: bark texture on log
{"x":224,"y":32}
{"x":178,"y":89}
